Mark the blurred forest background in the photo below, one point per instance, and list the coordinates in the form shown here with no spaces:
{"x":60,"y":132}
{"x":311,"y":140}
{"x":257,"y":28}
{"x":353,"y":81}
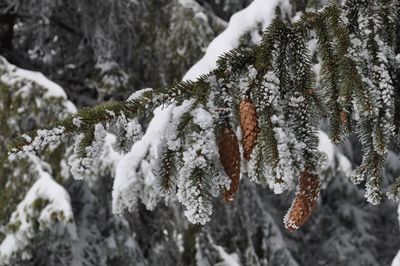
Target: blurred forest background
{"x":100,"y":50}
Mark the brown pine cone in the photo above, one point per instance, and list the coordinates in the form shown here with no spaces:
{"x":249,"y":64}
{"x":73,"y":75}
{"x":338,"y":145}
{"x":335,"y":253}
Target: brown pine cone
{"x":229,"y":155}
{"x":249,"y":125}
{"x":343,"y":117}
{"x":304,"y":202}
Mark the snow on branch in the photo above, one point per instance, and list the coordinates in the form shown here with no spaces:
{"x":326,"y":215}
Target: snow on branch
{"x":273,"y":79}
{"x":25,"y":79}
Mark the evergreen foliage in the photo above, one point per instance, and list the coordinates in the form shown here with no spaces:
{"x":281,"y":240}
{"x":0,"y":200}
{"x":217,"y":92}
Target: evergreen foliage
{"x":99,"y":50}
{"x":344,"y":230}
{"x":358,"y":94}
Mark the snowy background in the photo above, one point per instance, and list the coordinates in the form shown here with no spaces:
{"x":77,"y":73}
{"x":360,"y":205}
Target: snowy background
{"x":58,"y":56}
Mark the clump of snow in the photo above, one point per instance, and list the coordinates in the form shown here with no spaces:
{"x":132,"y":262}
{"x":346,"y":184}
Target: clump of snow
{"x":326,"y":146}
{"x":138,"y":94}
{"x":77,"y":122}
{"x":109,"y":158}
{"x":172,"y":140}
{"x":17,"y":75}
{"x":110,"y":113}
{"x":127,"y":182}
{"x":244,"y":21}
{"x":202,"y":118}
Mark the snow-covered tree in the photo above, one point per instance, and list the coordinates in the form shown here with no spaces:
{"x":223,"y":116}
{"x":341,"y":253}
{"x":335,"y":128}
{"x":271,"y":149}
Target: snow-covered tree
{"x":45,"y":205}
{"x":36,"y":192}
{"x":98,"y":50}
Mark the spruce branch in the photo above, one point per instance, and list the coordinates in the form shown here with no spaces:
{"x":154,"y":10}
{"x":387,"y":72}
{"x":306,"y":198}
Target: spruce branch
{"x":359,"y":86}
{"x":234,"y":61}
{"x":167,"y":172}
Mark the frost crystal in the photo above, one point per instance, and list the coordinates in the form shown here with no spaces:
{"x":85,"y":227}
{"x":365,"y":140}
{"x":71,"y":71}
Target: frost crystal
{"x":82,"y":167}
{"x":290,"y":150}
{"x":200,"y":152}
{"x":77,"y":122}
{"x":198,"y":209}
{"x":220,"y":181}
{"x":128,"y":132}
{"x":43,"y":138}
{"x":373,"y":194}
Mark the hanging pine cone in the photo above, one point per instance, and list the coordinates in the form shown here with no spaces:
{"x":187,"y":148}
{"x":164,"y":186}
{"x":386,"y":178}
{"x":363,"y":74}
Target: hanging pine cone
{"x":343,"y":117}
{"x":249,"y":125}
{"x":304,"y":202}
{"x":230,"y":159}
